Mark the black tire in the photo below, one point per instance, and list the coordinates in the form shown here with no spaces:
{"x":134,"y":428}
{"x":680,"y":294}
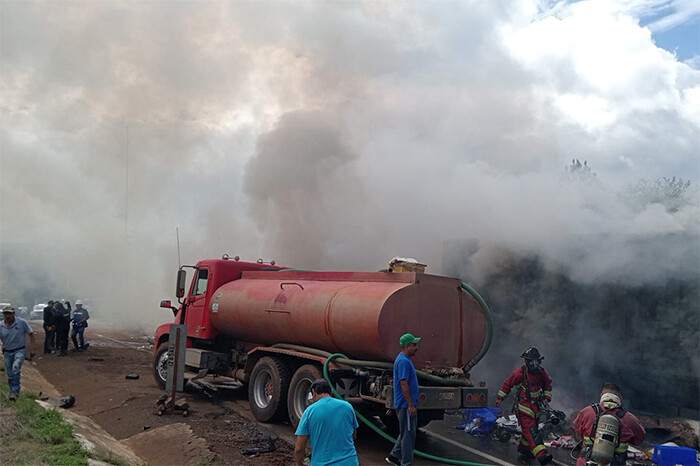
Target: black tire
{"x":268,"y":388}
{"x":299,"y":397}
{"x":160,"y":365}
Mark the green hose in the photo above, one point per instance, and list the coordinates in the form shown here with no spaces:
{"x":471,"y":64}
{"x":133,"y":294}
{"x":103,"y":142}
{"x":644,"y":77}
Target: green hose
{"x":489,"y":325}
{"x":371,"y":425}
{"x":376,"y":364}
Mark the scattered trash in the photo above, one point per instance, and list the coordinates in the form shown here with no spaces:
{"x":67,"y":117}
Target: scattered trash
{"x":66,"y":402}
{"x":42,"y":397}
{"x":267,"y":449}
{"x":634,"y":454}
{"x":480,"y":420}
{"x":165,"y":402}
{"x":95,"y":359}
{"x":565,"y":441}
{"x":146,"y":427}
{"x":132,"y":376}
{"x":510,"y":421}
{"x":662,"y":431}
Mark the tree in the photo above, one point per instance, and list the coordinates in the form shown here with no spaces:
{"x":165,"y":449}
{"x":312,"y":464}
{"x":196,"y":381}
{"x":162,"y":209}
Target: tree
{"x":673,"y":193}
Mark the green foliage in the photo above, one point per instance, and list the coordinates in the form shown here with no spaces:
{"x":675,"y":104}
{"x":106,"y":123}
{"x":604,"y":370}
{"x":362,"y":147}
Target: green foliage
{"x":47,"y":439}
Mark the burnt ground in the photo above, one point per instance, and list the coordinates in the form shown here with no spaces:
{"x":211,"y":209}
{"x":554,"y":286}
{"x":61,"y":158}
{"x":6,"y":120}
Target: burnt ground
{"x":212,"y":432}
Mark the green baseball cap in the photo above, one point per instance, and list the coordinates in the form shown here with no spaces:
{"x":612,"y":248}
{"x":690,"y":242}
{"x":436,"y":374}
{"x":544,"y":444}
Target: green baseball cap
{"x":408,"y":338}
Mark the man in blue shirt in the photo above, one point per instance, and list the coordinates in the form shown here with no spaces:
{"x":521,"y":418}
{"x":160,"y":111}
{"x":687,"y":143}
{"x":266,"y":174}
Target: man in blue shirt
{"x":331,"y":425}
{"x":80,"y":322}
{"x":405,"y":400}
{"x":13,"y":332}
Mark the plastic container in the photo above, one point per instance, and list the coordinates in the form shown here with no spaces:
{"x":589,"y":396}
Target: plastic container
{"x":670,"y":454}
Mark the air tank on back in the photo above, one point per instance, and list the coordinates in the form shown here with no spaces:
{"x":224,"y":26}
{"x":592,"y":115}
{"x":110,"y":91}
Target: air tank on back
{"x":359,"y":314}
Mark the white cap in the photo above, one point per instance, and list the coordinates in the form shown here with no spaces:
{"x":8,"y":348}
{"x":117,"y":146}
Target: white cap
{"x":78,"y":302}
{"x":9,"y":309}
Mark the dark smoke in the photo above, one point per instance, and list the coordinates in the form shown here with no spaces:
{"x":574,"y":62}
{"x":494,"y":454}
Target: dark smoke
{"x":642,"y":336}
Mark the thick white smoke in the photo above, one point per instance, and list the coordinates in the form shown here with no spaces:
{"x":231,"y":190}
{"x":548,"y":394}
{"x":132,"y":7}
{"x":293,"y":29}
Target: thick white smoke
{"x":336,"y":136}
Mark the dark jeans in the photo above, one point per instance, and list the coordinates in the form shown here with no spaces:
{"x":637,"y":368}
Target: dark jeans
{"x":78,"y":331}
{"x":62,"y":337}
{"x":49,"y":336}
{"x":403,"y":448}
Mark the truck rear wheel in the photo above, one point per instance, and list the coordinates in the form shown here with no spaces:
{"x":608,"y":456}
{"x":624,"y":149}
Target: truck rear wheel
{"x":300,"y":391}
{"x":268,"y":388}
{"x":160,"y":365}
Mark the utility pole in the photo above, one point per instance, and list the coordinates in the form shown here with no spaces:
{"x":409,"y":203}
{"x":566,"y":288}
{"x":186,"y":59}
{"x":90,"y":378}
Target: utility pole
{"x":126,"y":187}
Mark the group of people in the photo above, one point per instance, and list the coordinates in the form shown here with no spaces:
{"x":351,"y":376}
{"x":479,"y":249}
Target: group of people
{"x":57,"y":321}
{"x":606,"y":428}
{"x":58,"y":317}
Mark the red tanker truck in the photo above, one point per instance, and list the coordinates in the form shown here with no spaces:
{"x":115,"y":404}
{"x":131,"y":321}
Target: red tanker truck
{"x":274,"y":328}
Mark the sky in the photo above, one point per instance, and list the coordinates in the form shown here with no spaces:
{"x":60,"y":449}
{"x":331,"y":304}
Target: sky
{"x":337,"y":135}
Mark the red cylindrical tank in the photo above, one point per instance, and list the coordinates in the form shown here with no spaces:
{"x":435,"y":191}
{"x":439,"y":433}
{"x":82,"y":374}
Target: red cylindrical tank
{"x":359,"y":314}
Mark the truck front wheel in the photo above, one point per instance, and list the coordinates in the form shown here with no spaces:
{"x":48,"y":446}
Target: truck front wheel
{"x":160,"y":365}
{"x":268,"y":388}
{"x":300,"y":391}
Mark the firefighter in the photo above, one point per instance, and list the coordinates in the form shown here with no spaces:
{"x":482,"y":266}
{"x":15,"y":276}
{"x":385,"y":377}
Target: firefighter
{"x":534,"y":391}
{"x":607,"y":429}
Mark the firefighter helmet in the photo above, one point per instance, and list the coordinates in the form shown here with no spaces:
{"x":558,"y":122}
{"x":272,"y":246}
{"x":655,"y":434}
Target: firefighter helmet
{"x":531,"y":353}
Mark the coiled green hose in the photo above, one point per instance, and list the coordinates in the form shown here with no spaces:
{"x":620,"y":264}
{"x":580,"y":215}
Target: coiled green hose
{"x":381,"y":432}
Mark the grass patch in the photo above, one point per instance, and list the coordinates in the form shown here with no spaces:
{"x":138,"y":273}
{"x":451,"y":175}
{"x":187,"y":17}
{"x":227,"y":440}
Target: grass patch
{"x":36,"y":435}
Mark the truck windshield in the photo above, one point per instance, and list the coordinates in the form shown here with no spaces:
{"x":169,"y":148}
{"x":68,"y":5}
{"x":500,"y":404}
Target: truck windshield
{"x":201,"y":285}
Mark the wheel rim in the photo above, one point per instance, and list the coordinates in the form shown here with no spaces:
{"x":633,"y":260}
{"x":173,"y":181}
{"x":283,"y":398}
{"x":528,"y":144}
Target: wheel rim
{"x":163,"y":366}
{"x":263,"y":388}
{"x":301,"y":398}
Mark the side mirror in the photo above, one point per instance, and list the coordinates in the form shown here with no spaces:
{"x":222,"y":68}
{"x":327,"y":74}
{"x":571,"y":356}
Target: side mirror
{"x":181,"y":277}
{"x":168,"y":305}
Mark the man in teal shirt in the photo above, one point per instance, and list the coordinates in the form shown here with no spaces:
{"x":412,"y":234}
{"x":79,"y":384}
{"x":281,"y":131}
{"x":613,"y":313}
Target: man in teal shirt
{"x":331,"y":425}
{"x":405,"y":401}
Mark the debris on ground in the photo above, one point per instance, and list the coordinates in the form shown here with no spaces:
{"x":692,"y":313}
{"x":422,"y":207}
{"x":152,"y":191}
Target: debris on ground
{"x":66,"y":402}
{"x":95,"y":359}
{"x":663,"y":431}
{"x":269,"y":448}
{"x":479,"y":420}
{"x":564,"y":441}
{"x":131,"y":376}
{"x":165,"y":403}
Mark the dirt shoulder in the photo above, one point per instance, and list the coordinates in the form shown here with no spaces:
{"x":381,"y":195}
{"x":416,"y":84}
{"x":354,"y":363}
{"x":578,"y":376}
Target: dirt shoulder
{"x":212,"y":432}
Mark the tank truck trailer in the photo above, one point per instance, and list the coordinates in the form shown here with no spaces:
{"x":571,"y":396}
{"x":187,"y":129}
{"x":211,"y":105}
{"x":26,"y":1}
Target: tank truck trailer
{"x":276,"y":330}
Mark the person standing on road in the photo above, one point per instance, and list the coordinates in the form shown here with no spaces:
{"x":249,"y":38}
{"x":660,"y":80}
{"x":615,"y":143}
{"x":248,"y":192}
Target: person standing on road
{"x":405,"y":401}
{"x":49,"y":329}
{"x":13,"y":335}
{"x":630,"y":431}
{"x":331,"y":425}
{"x":62,"y":326}
{"x":534,"y":391}
{"x":80,"y":323}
